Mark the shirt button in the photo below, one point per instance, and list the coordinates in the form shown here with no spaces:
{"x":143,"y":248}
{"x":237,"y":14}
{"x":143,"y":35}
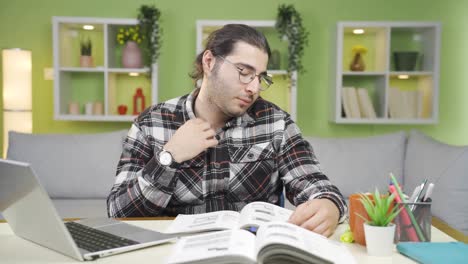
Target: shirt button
{"x":250,"y":155}
{"x":217,"y":165}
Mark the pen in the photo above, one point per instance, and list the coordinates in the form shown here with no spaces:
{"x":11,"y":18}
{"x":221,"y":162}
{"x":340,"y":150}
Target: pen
{"x":421,"y":236}
{"x":415,"y":192}
{"x":419,"y":194}
{"x":428,"y":192}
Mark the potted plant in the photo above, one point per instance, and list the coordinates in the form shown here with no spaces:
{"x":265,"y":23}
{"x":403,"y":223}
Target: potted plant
{"x":379,"y":230}
{"x":148,"y":20}
{"x":130,"y":38}
{"x":289,"y":26}
{"x":86,"y":59}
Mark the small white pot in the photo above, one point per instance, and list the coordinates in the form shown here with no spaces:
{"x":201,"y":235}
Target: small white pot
{"x":379,"y":240}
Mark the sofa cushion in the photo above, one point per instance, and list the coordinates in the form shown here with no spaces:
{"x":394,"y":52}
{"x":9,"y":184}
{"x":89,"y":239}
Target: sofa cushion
{"x":70,"y":165}
{"x":361,"y":164}
{"x":447,"y":167}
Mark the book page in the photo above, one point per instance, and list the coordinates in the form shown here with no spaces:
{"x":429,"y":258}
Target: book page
{"x":231,"y":246}
{"x":290,"y":241}
{"x":220,"y":220}
{"x":257,"y":213}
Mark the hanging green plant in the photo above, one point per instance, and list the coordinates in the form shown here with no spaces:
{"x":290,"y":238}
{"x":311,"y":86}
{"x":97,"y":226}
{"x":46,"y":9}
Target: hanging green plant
{"x":148,"y":20}
{"x":289,"y":25}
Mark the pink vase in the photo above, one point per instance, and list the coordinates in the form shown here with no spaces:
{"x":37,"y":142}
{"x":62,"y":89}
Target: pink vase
{"x":131,"y":55}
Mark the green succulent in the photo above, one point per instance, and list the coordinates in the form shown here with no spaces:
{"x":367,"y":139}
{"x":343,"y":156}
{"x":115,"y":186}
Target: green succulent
{"x":86,"y":47}
{"x":378,"y":208}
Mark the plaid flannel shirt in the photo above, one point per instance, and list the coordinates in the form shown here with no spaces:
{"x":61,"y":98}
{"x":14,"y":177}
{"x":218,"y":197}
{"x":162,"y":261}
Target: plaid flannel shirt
{"x":258,"y":153}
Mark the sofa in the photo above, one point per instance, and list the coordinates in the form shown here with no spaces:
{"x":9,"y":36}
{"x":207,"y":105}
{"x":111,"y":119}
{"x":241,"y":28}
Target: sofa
{"x":78,"y":170}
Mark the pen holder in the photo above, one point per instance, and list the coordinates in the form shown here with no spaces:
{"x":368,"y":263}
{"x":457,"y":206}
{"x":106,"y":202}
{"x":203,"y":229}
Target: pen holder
{"x":405,"y":226}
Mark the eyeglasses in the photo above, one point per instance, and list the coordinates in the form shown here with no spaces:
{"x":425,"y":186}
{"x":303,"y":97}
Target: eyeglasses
{"x":247,"y":75}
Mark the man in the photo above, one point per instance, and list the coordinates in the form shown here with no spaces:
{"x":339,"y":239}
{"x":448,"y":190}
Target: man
{"x":222,"y":146}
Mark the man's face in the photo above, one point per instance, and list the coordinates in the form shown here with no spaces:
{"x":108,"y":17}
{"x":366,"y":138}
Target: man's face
{"x":227,"y":92}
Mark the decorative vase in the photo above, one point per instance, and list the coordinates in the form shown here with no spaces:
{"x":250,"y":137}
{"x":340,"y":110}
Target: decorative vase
{"x":131,"y":55}
{"x":358,"y":63}
{"x":86,"y":61}
{"x":405,"y":60}
{"x":138,"y":102}
{"x":379,"y":239}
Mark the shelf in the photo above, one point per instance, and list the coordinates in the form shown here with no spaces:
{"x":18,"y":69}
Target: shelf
{"x":104,"y":86}
{"x":81,"y":69}
{"x":401,"y":89}
{"x":364,"y":73}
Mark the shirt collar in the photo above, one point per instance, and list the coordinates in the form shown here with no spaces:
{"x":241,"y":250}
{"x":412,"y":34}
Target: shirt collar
{"x":243,"y":120}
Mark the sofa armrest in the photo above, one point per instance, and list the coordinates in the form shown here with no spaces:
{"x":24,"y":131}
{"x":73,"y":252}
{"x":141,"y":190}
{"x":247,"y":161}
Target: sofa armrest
{"x":444,"y":227}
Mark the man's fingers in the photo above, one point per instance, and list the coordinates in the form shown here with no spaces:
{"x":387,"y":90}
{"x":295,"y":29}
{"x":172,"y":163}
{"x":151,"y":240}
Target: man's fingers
{"x":316,"y":225}
{"x":211,"y":143}
{"x":302,"y":213}
{"x":209,"y":133}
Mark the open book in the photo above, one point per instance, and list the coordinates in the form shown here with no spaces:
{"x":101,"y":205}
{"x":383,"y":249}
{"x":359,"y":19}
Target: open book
{"x":276,"y":242}
{"x":252,"y":215}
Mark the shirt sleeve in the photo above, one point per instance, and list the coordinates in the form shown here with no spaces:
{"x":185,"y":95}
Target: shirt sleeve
{"x":301,"y":173}
{"x":142,"y":187}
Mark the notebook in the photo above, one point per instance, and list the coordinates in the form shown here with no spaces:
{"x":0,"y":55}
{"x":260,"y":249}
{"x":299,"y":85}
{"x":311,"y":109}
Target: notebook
{"x":31,"y":215}
{"x":435,"y":252}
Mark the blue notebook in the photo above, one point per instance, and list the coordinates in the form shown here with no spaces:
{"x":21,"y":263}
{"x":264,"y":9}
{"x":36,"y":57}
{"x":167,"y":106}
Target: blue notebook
{"x":435,"y":252}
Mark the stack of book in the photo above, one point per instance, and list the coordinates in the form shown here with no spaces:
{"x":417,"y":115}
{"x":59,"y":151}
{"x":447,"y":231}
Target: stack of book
{"x":357,"y":103}
{"x":405,"y":103}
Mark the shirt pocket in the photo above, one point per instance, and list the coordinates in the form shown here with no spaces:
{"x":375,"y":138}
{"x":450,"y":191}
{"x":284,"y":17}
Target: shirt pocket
{"x":252,"y":172}
{"x":189,"y":187}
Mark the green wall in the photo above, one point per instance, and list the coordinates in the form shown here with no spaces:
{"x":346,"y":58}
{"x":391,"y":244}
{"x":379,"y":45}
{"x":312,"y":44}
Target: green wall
{"x":27,"y":24}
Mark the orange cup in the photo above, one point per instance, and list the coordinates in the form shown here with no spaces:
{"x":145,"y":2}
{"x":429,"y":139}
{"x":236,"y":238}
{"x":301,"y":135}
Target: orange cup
{"x":356,"y":223}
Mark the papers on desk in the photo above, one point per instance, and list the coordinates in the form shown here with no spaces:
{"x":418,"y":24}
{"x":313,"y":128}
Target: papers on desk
{"x":435,"y":253}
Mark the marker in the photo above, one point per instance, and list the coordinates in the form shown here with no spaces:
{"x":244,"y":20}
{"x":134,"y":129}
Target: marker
{"x":428,"y":192}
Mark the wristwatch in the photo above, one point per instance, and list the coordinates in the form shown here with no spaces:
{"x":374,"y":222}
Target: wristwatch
{"x":165,"y":158}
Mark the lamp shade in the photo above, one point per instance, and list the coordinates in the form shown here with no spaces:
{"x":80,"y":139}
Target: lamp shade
{"x":17,"y":80}
{"x":17,"y":90}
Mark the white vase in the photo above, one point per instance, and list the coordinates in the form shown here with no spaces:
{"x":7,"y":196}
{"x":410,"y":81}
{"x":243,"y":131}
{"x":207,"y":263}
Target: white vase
{"x":379,"y":240}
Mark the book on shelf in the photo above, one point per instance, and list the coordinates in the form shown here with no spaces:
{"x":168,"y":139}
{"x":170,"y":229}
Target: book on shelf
{"x":251,"y":216}
{"x":365,"y":104}
{"x":350,"y":102}
{"x":275,"y":242}
{"x":406,"y":104}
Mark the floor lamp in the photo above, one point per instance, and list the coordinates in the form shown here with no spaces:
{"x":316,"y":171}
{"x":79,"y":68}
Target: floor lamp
{"x":17,"y":89}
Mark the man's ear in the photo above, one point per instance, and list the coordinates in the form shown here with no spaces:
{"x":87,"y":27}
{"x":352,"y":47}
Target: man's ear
{"x":208,"y":61}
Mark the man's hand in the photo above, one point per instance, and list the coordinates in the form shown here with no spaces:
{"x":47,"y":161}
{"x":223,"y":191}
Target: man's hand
{"x":318,"y":215}
{"x":190,"y":139}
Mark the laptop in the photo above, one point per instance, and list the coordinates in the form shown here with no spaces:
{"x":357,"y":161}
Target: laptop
{"x":29,"y":211}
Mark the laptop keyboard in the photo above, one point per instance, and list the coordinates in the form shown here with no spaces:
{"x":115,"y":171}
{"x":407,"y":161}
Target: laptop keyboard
{"x":95,"y":240}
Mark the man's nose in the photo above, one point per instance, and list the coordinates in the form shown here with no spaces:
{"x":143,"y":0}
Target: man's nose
{"x":254,"y":86}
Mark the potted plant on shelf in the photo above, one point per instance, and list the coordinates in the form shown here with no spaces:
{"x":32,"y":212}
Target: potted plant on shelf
{"x":148,"y":20}
{"x":130,"y":38}
{"x":379,"y":230}
{"x":86,"y":59}
{"x":289,"y":26}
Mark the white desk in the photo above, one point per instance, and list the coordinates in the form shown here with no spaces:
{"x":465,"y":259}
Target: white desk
{"x":14,"y":249}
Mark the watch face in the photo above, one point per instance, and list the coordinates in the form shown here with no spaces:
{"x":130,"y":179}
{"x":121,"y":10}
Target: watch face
{"x":165,"y":158}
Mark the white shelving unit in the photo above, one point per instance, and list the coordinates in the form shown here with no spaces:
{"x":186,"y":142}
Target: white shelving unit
{"x":415,"y":100}
{"x":107,"y":82}
{"x":284,"y":90}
